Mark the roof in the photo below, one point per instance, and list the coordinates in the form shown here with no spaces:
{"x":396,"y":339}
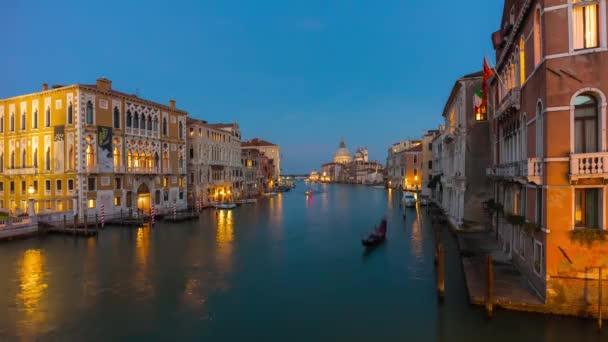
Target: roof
{"x":256,"y":142}
{"x":191,"y":121}
{"x":221,"y":125}
{"x":456,"y":87}
{"x":133,"y":96}
{"x":417,"y":148}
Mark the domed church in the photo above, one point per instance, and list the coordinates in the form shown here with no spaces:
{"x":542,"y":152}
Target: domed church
{"x":342,"y":156}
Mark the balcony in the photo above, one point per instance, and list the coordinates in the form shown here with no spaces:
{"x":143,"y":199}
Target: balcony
{"x":92,"y":169}
{"x":144,"y":170}
{"x":20,"y":171}
{"x":588,"y":165}
{"x":532,"y":169}
{"x":510,"y":170}
{"x":510,"y":101}
{"x":119,"y":169}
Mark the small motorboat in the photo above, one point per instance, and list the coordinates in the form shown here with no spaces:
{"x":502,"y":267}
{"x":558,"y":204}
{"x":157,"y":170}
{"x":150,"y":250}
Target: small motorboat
{"x":377,"y":236}
{"x":247,"y":201}
{"x":270,"y":194}
{"x":225,"y":206}
{"x":308,"y":192}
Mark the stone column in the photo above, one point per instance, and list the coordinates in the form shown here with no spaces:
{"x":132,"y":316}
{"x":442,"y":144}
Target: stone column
{"x":30,"y":207}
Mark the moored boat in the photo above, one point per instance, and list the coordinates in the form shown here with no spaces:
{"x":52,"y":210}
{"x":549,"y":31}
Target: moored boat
{"x":247,"y":201}
{"x":225,"y":206}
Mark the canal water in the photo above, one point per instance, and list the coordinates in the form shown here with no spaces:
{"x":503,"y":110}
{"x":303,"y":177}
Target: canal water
{"x":289,"y":268}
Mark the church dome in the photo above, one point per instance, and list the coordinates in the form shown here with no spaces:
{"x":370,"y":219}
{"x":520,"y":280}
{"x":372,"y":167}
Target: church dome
{"x":342,"y":155}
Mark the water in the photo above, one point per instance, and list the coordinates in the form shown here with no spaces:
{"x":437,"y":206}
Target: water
{"x":286,"y":269}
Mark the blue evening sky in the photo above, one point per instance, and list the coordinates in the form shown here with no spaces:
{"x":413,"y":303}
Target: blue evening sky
{"x":301,"y":74}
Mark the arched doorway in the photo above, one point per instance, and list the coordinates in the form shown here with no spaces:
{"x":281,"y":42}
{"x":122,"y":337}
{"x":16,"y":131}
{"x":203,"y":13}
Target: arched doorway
{"x":143,"y":198}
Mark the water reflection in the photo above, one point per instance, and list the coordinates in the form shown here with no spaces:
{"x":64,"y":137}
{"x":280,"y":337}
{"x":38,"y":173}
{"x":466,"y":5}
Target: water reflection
{"x":390,"y":198}
{"x":224,"y":242}
{"x":33,"y":288}
{"x":142,"y":282}
{"x":416,"y":239}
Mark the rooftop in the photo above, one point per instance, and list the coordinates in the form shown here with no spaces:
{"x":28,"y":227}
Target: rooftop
{"x":255,"y":142}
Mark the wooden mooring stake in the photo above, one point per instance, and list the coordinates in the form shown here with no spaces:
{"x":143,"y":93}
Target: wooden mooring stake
{"x":599,"y":300}
{"x":440,"y":273}
{"x":489,"y":287}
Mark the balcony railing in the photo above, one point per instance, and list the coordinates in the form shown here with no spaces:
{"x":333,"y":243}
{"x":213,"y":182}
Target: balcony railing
{"x":510,"y":100}
{"x":20,"y":171}
{"x":531,"y":169}
{"x":588,"y":165}
{"x":143,"y":169}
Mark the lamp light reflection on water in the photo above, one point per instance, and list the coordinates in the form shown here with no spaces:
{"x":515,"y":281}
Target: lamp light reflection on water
{"x":33,"y":285}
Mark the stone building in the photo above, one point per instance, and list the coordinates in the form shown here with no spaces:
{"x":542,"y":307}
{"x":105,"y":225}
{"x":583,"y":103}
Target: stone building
{"x":426,"y":167}
{"x":214,"y":162}
{"x":548,"y":136}
{"x":396,"y":163}
{"x":73,"y":149}
{"x":271,"y":151}
{"x":255,"y":174}
{"x":463,"y":155}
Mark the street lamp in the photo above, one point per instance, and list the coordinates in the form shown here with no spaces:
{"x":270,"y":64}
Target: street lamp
{"x":31,"y":190}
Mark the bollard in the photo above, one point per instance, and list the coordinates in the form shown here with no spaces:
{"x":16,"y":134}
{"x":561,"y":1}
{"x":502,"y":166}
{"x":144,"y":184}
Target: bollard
{"x":489,"y":287}
{"x":599,"y":300}
{"x":440,"y":273}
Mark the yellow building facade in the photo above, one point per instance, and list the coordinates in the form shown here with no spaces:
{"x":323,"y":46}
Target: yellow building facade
{"x":73,"y":149}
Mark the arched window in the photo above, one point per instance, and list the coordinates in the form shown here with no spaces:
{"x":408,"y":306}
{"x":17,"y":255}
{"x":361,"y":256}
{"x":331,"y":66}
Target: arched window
{"x":143,"y":121}
{"x":12,"y":122}
{"x":116,"y":156}
{"x":136,"y":159}
{"x":539,"y":129}
{"x":142,"y":160}
{"x":35,"y":158}
{"x":149,"y":123}
{"x":537,"y":53}
{"x":150,"y":160}
{"x":71,"y":161}
{"x":70,"y":115}
{"x":89,"y":113}
{"x":136,"y":120}
{"x":129,"y":118}
{"x":12,"y":161}
{"x":129,"y":159}
{"x":164,"y":126}
{"x":47,"y":117}
{"x":2,"y":162}
{"x":23,"y":121}
{"x":23,"y":157}
{"x":165,"y":161}
{"x":155,"y":124}
{"x":181,"y":130}
{"x":47,"y":162}
{"x":586,"y":124}
{"x":116,"y":118}
{"x":90,"y":155}
{"x":156,"y":160}
{"x":522,"y":61}
{"x":35,"y":119}
{"x":181,"y":160}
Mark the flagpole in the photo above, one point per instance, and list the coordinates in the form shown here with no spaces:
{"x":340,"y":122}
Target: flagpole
{"x":495,"y":71}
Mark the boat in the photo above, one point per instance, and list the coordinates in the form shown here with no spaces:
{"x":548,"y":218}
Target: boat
{"x":225,"y":206}
{"x":409,"y":200}
{"x":308,"y":192}
{"x":270,"y":194}
{"x":247,"y":201}
{"x":377,"y":236}
{"x":283,"y":188}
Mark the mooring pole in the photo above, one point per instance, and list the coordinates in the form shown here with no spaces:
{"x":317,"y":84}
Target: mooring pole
{"x":490,"y":286}
{"x":441,"y":273}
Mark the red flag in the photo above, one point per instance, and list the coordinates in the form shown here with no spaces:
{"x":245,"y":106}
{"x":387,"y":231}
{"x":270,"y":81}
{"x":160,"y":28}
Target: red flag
{"x":487,"y":73}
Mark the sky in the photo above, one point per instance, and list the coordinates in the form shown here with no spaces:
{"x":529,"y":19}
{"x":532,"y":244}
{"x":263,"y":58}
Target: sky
{"x":301,"y":74}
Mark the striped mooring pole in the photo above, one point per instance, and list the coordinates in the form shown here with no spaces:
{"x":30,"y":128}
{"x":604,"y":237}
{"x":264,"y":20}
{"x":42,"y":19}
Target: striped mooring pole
{"x":152,"y":215}
{"x":175,"y":209}
{"x":103,"y":216}
{"x":198,"y":205}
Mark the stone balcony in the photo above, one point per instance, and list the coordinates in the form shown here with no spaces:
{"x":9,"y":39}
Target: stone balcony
{"x":588,"y":165}
{"x":530,"y":170}
{"x":511,"y":100}
{"x":144,"y":170}
{"x":20,"y":171}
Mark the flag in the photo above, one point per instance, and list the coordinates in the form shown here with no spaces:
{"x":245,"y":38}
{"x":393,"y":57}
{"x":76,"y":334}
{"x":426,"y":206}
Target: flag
{"x":487,"y":73}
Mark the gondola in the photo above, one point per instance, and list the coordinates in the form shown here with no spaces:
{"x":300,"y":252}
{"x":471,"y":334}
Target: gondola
{"x":377,"y":236}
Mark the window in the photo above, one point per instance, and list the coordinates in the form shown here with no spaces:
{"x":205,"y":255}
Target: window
{"x":191,"y":131}
{"x":91,"y":184}
{"x":36,"y":186}
{"x":23,"y":121}
{"x":181,"y":195}
{"x":539,"y":129}
{"x":129,"y":159}
{"x":129,"y":199}
{"x":585,"y":28}
{"x":91,"y":203}
{"x":156,"y":159}
{"x":136,"y":120}
{"x":118,"y":183}
{"x":90,"y":155}
{"x":191,"y":153}
{"x":165,"y":181}
{"x":117,"y":200}
{"x":70,"y":115}
{"x":12,"y":123}
{"x":70,"y":184}
{"x":149,"y":128}
{"x":116,"y":157}
{"x":71,"y":158}
{"x":539,"y":206}
{"x":165,"y":161}
{"x":35,"y":119}
{"x":586,"y":208}
{"x":58,"y":185}
{"x":164,"y":126}
{"x":143,"y":122}
{"x":12,"y":187}
{"x":89,"y":116}
{"x":522,"y":243}
{"x":116,"y":118}
{"x":12,"y":161}
{"x":47,"y":117}
{"x":129,"y":118}
{"x":135,"y":159}
{"x":537,"y":56}
{"x":157,"y":197}
{"x":155,"y":126}
{"x":585,"y":124}
{"x":23,"y":187}
{"x":47,"y":162}
{"x":430,"y":164}
{"x":1,"y":186}
{"x":522,"y":61}
{"x":35,"y":158}
{"x":415,"y":159}
{"x":181,"y":130}
{"x":23,"y":157}
{"x":47,"y":185}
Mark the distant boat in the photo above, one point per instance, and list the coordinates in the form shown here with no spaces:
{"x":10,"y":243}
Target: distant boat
{"x":225,"y":206}
{"x":247,"y":201}
{"x":308,"y":192}
{"x":270,"y":194}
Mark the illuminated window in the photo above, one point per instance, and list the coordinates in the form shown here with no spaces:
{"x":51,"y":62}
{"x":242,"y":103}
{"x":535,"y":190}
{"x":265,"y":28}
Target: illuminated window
{"x":537,"y":55}
{"x":116,"y":157}
{"x":117,"y":200}
{"x":165,"y":161}
{"x":142,"y":160}
{"x":129,"y":159}
{"x":522,"y":61}
{"x":585,"y":28}
{"x":90,"y":153}
{"x":149,"y":160}
{"x":136,"y":159}
{"x":165,"y":181}
{"x":586,"y":208}
{"x":91,"y":203}
{"x":191,"y":131}
{"x":116,"y":118}
{"x":89,"y":113}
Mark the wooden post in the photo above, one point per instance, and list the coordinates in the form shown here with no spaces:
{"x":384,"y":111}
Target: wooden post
{"x":489,"y":287}
{"x":441,"y":273}
{"x":599,"y":300}
{"x":86,"y":227}
{"x":436,"y":245}
{"x":96,"y":221}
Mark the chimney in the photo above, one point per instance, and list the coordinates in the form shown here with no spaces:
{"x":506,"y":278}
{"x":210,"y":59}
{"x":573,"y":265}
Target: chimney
{"x":45,"y":86}
{"x":172,"y":104}
{"x":103,"y":83}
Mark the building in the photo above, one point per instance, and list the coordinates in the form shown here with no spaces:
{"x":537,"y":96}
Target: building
{"x":271,"y":151}
{"x":547,"y":107}
{"x":330,"y":172}
{"x":214,"y":162}
{"x":342,"y":155}
{"x":395,"y":163}
{"x":357,"y":170}
{"x":254,"y":181}
{"x":426,"y":167}
{"x":463,"y":152}
{"x":73,"y":149}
